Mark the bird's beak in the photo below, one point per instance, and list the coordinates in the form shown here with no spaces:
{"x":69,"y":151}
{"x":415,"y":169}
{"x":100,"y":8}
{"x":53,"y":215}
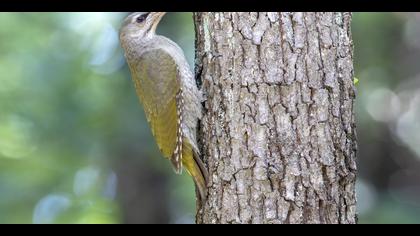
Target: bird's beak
{"x":156,"y":17}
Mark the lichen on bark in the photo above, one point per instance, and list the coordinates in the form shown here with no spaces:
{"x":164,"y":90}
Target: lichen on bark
{"x":278,"y":132}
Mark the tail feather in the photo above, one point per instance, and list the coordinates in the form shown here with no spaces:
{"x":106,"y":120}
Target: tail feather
{"x":195,"y":167}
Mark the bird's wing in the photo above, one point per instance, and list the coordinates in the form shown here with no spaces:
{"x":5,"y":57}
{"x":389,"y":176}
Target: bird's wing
{"x":156,"y":79}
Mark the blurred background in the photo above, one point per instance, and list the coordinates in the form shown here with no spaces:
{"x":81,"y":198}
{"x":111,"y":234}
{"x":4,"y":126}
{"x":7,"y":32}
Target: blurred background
{"x":75,"y":146}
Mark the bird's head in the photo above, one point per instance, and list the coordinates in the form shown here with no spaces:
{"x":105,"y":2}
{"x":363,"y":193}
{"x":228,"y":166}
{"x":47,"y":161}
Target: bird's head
{"x":141,"y":24}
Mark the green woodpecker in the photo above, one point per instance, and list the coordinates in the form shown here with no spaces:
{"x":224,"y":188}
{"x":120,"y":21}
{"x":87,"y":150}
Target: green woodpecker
{"x":167,"y":90}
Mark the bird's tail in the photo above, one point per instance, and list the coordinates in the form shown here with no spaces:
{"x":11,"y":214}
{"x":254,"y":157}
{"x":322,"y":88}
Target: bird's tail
{"x":195,"y":167}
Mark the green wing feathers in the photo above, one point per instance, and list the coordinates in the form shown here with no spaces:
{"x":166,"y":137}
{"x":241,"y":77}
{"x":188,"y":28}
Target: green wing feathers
{"x":156,"y":81}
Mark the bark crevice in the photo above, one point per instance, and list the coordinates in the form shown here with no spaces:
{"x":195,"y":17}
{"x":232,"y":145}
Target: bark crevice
{"x":278,"y":134}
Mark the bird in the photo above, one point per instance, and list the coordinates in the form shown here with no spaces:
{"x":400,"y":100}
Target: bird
{"x":168,"y":92}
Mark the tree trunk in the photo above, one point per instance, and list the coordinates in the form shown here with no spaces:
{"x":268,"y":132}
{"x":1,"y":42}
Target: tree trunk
{"x":278,"y":133}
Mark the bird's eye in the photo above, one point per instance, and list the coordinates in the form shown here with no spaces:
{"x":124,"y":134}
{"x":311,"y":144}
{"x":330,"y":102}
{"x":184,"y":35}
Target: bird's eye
{"x":141,"y":18}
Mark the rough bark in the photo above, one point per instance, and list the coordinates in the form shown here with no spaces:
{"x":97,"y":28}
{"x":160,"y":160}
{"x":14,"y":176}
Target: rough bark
{"x":278,"y":134}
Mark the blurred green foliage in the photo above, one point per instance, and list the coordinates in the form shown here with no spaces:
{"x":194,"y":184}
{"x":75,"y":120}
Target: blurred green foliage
{"x":75,"y":146}
{"x":67,"y":109}
{"x":388,"y":115}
